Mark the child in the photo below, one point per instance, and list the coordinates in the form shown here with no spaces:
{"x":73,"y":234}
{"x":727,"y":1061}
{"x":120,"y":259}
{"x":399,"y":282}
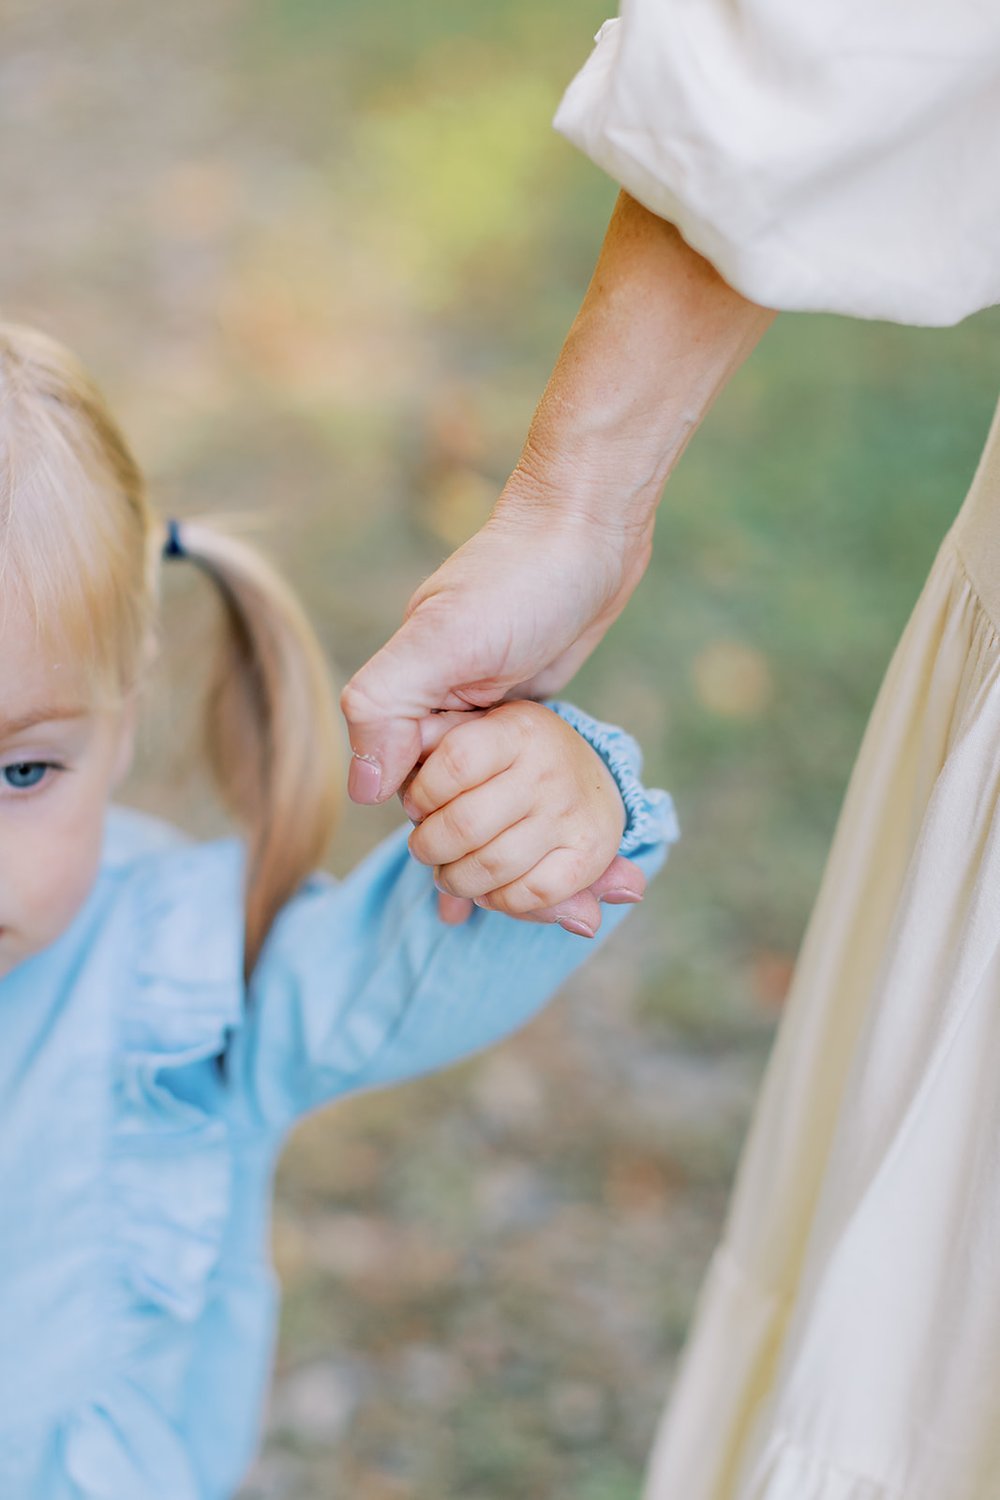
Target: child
{"x":168,"y":1010}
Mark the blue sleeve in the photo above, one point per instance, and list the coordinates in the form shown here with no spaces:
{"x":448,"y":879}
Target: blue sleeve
{"x":649,"y":815}
{"x":360,"y":983}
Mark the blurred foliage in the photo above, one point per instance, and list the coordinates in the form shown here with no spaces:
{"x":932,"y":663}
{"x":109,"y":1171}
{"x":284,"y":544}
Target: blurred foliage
{"x":322,"y":256}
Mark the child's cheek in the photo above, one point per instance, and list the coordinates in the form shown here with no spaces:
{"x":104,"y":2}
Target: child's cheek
{"x":68,"y":889}
{"x":63,"y":872}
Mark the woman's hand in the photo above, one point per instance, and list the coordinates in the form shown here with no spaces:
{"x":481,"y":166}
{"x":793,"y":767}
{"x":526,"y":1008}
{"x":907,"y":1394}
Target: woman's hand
{"x":514,"y":611}
{"x":523,"y":603}
{"x":513,"y":810}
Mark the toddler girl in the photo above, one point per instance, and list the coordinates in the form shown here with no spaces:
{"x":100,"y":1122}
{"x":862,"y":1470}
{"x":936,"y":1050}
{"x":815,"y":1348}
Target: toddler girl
{"x":168,"y":1010}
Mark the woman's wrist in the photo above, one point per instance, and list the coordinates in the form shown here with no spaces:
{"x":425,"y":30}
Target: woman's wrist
{"x":591,"y":472}
{"x":566,"y":497}
{"x":657,"y":337}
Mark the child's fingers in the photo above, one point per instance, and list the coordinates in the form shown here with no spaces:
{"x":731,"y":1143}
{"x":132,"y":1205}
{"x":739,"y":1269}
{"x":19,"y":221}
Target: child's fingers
{"x":467,"y":756}
{"x":558,"y":875}
{"x":434,"y":728}
{"x":581,"y":914}
{"x":471,"y":820}
{"x":498,"y":863}
{"x":432,"y":731}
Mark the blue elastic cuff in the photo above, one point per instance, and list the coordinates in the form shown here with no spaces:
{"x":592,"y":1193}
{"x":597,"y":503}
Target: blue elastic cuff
{"x":650,"y":817}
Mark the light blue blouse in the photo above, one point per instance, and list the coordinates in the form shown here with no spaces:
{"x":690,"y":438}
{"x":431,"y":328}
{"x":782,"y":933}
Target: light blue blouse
{"x":137,"y":1299}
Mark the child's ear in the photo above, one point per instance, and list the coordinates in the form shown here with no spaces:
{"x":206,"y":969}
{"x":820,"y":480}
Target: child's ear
{"x":126,"y":741}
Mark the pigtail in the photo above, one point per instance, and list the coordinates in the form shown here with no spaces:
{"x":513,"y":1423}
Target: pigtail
{"x":270,"y":726}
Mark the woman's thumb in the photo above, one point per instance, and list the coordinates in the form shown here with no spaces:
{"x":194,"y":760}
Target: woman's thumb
{"x":386,"y":702}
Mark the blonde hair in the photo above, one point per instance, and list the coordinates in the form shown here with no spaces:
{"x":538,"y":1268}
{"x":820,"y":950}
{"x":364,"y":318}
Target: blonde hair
{"x":80,"y":543}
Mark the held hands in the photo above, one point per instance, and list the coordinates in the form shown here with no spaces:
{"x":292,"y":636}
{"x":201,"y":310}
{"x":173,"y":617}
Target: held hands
{"x":514,"y":612}
{"x":514,"y":810}
{"x":517,"y":609}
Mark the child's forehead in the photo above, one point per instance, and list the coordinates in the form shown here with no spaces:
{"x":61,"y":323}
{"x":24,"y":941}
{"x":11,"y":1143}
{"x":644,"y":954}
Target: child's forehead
{"x":38,"y":669}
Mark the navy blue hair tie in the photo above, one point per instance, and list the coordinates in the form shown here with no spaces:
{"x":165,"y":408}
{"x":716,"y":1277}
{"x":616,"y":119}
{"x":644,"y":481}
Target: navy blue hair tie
{"x":173,"y":546}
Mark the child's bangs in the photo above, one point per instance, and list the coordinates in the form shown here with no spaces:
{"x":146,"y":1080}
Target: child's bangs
{"x":72,"y":555}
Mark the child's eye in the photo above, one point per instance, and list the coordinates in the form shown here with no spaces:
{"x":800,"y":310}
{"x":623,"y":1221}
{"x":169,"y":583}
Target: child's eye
{"x":25,"y":775}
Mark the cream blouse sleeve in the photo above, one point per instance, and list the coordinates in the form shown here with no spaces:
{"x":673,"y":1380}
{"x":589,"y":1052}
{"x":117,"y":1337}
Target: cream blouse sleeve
{"x":840,"y":157}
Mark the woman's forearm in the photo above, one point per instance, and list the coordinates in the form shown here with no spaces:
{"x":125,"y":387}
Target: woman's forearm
{"x":656,"y":338}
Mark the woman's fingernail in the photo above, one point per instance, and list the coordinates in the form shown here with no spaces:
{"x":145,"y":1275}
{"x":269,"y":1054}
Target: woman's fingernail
{"x":574,"y":925}
{"x":364,"y":780}
{"x":622,"y":897}
{"x":483,"y":902}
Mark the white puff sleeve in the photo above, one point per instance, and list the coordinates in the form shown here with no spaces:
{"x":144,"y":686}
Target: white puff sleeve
{"x":840,"y":157}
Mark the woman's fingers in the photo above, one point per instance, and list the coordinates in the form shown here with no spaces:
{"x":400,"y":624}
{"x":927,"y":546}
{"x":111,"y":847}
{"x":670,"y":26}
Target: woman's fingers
{"x":579,"y":914}
{"x":622,"y":884}
{"x":434,"y":728}
{"x":454,"y":910}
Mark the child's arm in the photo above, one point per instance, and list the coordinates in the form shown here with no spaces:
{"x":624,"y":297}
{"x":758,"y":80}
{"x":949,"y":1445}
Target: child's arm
{"x":360,"y":984}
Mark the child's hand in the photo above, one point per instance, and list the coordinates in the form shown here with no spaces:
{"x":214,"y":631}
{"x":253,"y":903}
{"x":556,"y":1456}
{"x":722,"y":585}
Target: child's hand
{"x":515,"y":811}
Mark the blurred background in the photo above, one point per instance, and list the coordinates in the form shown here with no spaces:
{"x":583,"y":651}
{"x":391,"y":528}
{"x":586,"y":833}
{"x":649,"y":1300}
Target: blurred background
{"x":321,"y":255}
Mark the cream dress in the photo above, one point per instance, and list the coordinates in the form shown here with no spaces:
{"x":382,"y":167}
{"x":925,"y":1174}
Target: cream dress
{"x":847,"y":1340}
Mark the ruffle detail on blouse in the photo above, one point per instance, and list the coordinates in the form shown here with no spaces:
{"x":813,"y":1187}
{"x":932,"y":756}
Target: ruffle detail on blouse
{"x":121,"y":1447}
{"x":172,"y":1158}
{"x":171,"y":1168}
